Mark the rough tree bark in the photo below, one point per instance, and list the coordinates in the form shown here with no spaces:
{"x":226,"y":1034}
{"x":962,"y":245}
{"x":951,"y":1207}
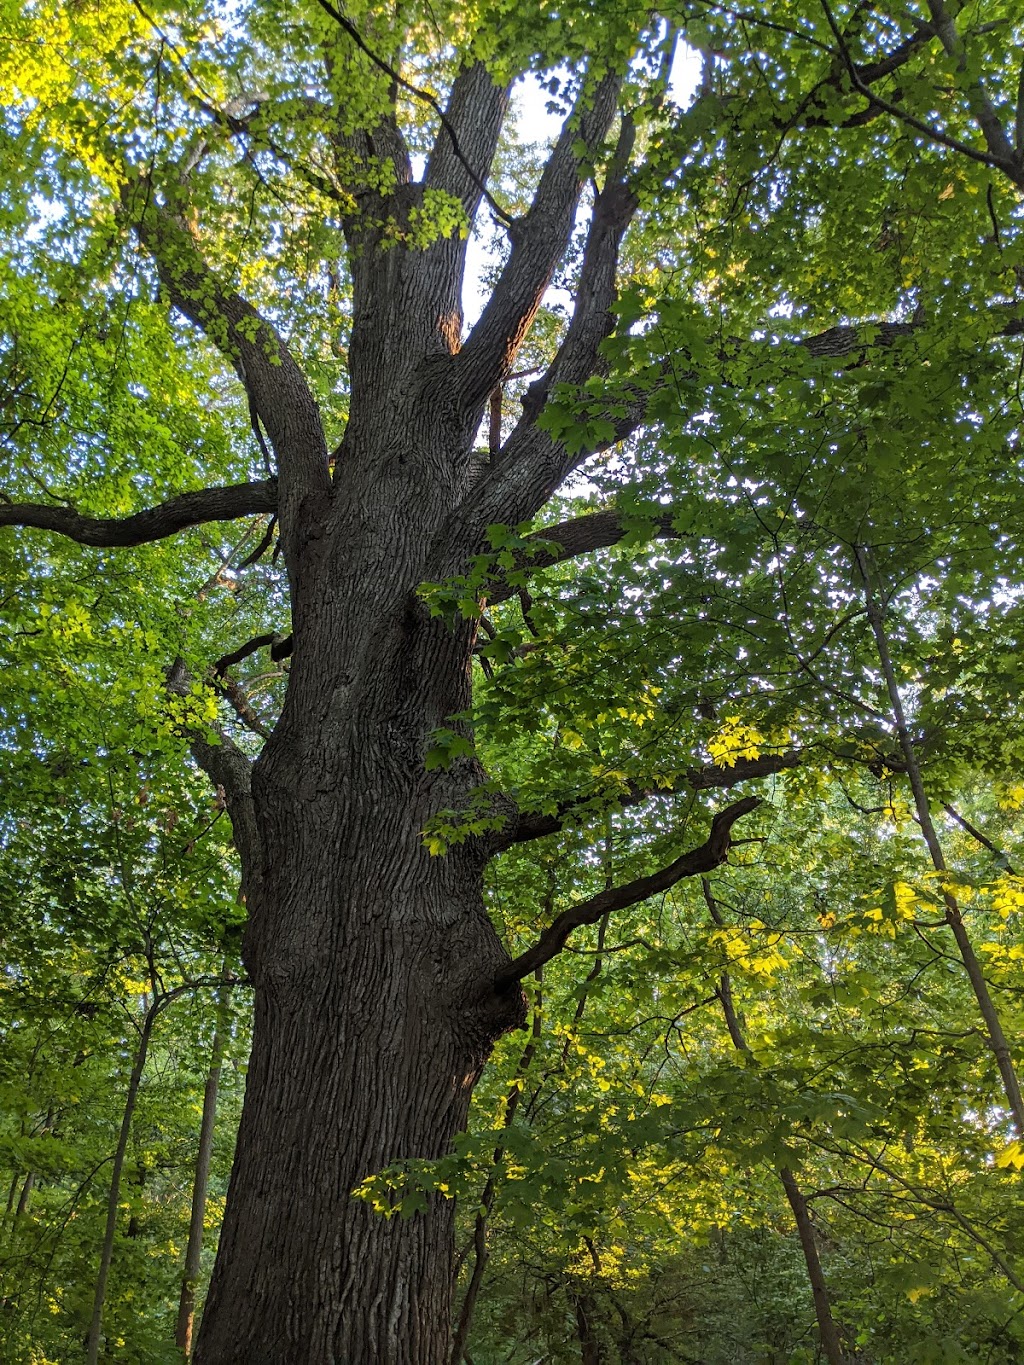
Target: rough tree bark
{"x":380,"y":985}
{"x":373,"y":963}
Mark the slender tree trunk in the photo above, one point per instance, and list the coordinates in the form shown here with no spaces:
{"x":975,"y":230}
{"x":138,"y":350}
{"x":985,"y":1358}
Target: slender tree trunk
{"x":200,"y":1184}
{"x":827,"y":1329}
{"x":12,"y":1194}
{"x":96,"y":1326}
{"x":986,"y":1005}
{"x":29,"y":1183}
{"x":590,"y":1346}
{"x":26,"y":1194}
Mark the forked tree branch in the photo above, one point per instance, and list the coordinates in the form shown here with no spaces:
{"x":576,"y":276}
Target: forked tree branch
{"x":187,"y":509}
{"x":709,"y":855}
{"x":449,"y":122}
{"x":999,"y":154}
{"x":532,"y":463}
{"x":539,"y":242}
{"x":530,"y":446}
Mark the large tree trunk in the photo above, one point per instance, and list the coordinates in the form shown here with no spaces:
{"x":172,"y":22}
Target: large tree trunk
{"x":370,"y":961}
{"x":366,"y":1047}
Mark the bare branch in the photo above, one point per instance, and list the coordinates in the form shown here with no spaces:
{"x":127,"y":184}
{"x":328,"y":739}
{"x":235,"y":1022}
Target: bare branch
{"x":188,"y":509}
{"x":261,"y":549}
{"x":235,"y":656}
{"x":713,"y":777}
{"x":713,"y":852}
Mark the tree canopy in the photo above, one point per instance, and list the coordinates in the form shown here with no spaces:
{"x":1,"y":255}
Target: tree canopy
{"x":577,"y":448}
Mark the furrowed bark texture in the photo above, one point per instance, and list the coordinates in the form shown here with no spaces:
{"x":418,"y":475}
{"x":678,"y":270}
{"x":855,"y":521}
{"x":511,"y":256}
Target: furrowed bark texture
{"x":370,"y":959}
{"x":373,"y":964}
{"x":367,"y":956}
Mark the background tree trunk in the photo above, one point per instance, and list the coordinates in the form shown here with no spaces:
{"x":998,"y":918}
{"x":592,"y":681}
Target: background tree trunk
{"x":200,"y":1184}
{"x":106,"y":1254}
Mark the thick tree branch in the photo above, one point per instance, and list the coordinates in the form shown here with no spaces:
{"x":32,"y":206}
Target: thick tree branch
{"x":539,"y":242}
{"x":710,"y":854}
{"x":580,"y":536}
{"x":188,"y":509}
{"x":713,"y":777}
{"x":470,"y":126}
{"x":235,"y":656}
{"x":998,"y":143}
{"x":856,"y":341}
{"x":532,"y":463}
{"x":449,"y":121}
{"x":279,"y":396}
{"x":998,"y":159}
{"x":230,"y":771}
